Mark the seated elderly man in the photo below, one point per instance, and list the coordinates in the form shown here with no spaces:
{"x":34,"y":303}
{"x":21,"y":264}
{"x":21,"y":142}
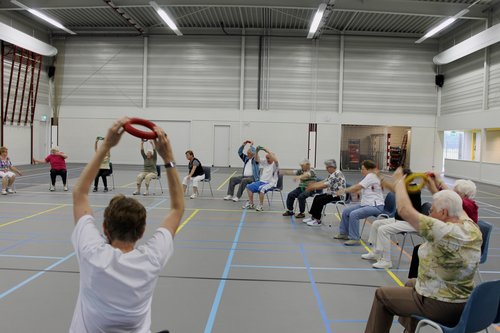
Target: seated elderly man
{"x":450,"y":256}
{"x":305,"y":175}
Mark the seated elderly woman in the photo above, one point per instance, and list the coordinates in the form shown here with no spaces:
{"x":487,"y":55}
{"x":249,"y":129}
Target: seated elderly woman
{"x":7,"y":172}
{"x":450,"y":257}
{"x":57,"y":160}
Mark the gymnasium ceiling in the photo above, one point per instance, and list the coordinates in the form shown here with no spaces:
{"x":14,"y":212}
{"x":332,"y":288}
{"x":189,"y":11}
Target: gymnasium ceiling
{"x":407,"y":18}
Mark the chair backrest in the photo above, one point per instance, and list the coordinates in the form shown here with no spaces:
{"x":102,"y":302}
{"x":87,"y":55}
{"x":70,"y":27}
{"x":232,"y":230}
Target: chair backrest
{"x":486,"y":229}
{"x":110,"y":168}
{"x":390,"y":204}
{"x":482,"y":308}
{"x":279,"y":184}
{"x":426,"y":208}
{"x":158,"y":171}
{"x":208,"y":173}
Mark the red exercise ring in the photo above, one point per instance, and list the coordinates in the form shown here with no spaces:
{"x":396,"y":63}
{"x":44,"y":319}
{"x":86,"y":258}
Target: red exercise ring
{"x":138,"y":133}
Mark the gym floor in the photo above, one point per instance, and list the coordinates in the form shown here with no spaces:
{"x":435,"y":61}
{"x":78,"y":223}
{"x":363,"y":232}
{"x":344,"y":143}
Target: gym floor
{"x":233,"y":270}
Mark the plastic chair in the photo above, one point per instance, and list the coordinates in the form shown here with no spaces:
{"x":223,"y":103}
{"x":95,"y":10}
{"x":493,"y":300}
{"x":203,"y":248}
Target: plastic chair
{"x":481,"y":310}
{"x":278,"y":188}
{"x":158,"y":178}
{"x":388,"y":211}
{"x":426,"y":208}
{"x":486,"y":229}
{"x":208,"y":178}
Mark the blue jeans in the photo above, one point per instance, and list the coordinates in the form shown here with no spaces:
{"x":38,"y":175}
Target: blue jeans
{"x":349,"y":225}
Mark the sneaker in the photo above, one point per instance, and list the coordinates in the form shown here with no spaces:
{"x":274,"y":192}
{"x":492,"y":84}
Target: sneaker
{"x":105,"y":189}
{"x":228,"y":197}
{"x":65,"y":188}
{"x":95,"y":189}
{"x":136,"y":193}
{"x":352,"y":242}
{"x":4,"y":192}
{"x":370,"y":256}
{"x":307,"y":219}
{"x":194,"y":195}
{"x":235,"y":199}
{"x":10,"y":191}
{"x":314,"y":223}
{"x":248,"y":205}
{"x":259,"y":208}
{"x":382,"y":264}
{"x":146,"y":193}
{"x":300,"y":215}
{"x":288,"y":213}
{"x":341,"y":236}
{"x":52,"y":188}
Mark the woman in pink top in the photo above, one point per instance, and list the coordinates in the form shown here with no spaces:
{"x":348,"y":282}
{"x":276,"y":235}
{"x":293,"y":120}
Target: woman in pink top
{"x":57,"y":162}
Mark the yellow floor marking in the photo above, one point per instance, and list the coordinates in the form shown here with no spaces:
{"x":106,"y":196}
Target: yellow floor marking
{"x":391,"y":274}
{"x":33,"y":215}
{"x":187,"y":220}
{"x":224,"y":183}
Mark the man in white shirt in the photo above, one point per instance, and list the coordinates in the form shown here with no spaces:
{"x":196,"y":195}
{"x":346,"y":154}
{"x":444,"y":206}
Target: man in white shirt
{"x":268,"y":179}
{"x":117,"y":279}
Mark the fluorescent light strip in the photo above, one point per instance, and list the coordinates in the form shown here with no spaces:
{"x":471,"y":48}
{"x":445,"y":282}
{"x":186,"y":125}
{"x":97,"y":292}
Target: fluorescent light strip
{"x":442,"y":25}
{"x":316,"y":20}
{"x":43,"y":17}
{"x":166,"y":18}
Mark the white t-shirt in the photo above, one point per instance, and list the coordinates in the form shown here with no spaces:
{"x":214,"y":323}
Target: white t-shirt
{"x":371,"y":194}
{"x":269,"y":172}
{"x":248,"y":171}
{"x":116,"y":288}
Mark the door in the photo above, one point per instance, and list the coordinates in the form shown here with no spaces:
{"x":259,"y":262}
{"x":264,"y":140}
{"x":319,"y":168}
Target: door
{"x":221,"y":145}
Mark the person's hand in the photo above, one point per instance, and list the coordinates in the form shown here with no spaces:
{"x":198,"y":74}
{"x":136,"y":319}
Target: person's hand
{"x":19,"y":173}
{"x":296,"y":178}
{"x":115,"y":132}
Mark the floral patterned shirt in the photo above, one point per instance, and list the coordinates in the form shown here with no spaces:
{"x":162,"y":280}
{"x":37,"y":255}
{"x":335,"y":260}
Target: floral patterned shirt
{"x":448,"y":259}
{"x":335,"y":182}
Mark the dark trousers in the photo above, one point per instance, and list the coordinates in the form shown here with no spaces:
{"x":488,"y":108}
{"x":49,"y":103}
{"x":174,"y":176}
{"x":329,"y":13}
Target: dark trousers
{"x":301,"y":197}
{"x":243,"y":181}
{"x":103,"y":173}
{"x":413,"y":272}
{"x":319,"y":202}
{"x":54,"y":173}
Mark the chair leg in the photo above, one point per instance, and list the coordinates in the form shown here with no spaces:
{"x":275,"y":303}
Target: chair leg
{"x":268,"y":201}
{"x":210,"y":184}
{"x":282,"y":200}
{"x":402,"y":248}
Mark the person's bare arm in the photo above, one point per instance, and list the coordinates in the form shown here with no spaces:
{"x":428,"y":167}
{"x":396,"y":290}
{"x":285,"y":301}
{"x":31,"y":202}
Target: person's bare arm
{"x":81,"y":205}
{"x":63,"y":155}
{"x":35,"y":161}
{"x":316,"y":186}
{"x":403,"y":202}
{"x":16,"y":170}
{"x":173,"y":218}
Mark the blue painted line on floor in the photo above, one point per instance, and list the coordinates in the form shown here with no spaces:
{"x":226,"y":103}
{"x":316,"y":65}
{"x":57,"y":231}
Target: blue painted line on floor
{"x":35,"y":276}
{"x":320,"y":268}
{"x":29,"y":257}
{"x":294,"y":223}
{"x":316,"y":291}
{"x":218,"y":296}
{"x":19,"y":243}
{"x":229,"y":249}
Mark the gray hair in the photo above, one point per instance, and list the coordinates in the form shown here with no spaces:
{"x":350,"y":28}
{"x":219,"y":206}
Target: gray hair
{"x":466,"y":188}
{"x":448,"y":199}
{"x":305,"y":161}
{"x":331,"y":163}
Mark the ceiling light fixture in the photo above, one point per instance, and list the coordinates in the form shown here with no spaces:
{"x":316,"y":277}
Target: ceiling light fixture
{"x":316,"y":20}
{"x":43,"y":17}
{"x":166,"y":18}
{"x":442,"y":25}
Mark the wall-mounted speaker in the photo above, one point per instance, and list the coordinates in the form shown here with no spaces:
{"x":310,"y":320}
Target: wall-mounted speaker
{"x":51,"y":71}
{"x":439,"y":80}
